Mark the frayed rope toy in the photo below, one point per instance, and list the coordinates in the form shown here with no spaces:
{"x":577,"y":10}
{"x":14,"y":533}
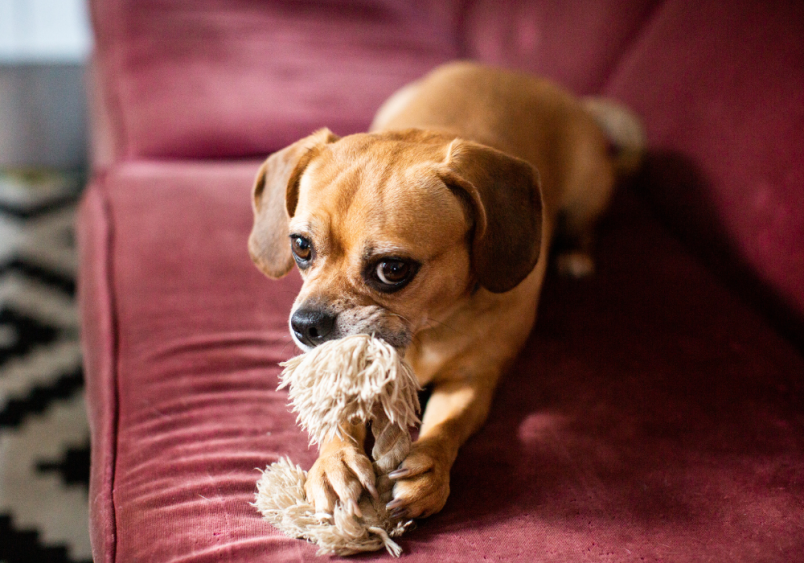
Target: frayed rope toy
{"x":357,"y":379}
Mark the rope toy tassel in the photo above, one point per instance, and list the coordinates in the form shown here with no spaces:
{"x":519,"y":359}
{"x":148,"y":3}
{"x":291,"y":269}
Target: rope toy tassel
{"x":357,"y":379}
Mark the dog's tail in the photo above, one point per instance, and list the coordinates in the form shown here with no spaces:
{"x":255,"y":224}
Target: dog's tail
{"x":624,"y":131}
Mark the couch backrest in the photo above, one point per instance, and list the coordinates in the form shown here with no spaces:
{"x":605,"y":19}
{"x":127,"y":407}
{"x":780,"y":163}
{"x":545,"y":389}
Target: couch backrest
{"x":721,"y":89}
{"x":234,"y":78}
{"x":720,"y":86}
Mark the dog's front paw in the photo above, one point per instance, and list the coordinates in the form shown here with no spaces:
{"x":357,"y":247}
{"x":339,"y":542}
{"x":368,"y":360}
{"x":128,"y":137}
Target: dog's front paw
{"x":422,"y":483}
{"x":340,"y":475}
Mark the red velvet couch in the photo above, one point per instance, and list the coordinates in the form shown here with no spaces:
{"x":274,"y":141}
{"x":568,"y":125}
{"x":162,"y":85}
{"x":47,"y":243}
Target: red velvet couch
{"x":656,"y":412}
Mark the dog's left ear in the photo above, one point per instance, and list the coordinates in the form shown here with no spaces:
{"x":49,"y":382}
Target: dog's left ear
{"x":505,"y":197}
{"x":274,"y":198}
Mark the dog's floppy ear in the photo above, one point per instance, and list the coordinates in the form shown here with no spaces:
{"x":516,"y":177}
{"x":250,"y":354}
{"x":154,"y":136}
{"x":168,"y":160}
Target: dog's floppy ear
{"x":505,"y":197}
{"x":275,"y":195}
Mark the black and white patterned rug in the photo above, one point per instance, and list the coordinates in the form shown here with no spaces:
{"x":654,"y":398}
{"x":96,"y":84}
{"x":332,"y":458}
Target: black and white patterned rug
{"x":44,"y":436}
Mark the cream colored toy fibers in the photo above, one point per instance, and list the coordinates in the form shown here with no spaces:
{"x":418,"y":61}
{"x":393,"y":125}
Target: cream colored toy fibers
{"x":354,"y":379}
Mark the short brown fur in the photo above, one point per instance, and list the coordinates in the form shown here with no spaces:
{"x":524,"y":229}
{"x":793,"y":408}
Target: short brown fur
{"x":465,"y":172}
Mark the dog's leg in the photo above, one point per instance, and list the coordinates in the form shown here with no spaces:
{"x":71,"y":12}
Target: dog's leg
{"x":341,"y":472}
{"x":463,"y":382}
{"x":588,"y":190}
{"x":590,"y":180}
{"x":574,"y":243}
{"x":456,"y":409}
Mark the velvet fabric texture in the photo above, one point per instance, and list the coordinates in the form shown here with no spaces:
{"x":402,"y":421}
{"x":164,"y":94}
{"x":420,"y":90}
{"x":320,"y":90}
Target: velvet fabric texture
{"x":220,"y":78}
{"x":721,"y":86}
{"x":655,"y":413}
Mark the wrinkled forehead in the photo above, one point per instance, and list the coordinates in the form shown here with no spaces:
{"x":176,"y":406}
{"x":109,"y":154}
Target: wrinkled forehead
{"x":384,"y":192}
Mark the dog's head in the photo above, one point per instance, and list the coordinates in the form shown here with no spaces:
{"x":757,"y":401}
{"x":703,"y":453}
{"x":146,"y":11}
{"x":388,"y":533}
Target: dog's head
{"x":391,"y":229}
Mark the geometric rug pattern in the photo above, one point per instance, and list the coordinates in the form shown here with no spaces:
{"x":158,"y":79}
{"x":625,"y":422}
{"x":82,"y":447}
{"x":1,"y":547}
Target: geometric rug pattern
{"x":44,"y":436}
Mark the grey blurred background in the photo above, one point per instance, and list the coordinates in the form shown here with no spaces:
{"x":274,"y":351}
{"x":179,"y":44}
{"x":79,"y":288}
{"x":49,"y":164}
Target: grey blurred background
{"x":44,"y":46}
{"x":44,"y":434}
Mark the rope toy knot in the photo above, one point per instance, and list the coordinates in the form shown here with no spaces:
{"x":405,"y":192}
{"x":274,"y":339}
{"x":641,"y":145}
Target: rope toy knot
{"x":357,"y":379}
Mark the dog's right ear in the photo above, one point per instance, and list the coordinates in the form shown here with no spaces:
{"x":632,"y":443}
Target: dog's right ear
{"x":274,"y":198}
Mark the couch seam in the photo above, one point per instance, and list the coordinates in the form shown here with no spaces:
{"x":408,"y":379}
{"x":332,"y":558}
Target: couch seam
{"x":630,"y":44}
{"x":114,"y":365}
{"x":461,"y":42}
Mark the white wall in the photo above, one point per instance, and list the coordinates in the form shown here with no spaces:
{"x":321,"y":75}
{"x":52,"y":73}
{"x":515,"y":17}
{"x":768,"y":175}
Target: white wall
{"x":44,"y":45}
{"x":44,"y":31}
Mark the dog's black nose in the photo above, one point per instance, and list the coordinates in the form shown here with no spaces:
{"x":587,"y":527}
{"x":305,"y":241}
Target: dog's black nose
{"x":312,"y":326}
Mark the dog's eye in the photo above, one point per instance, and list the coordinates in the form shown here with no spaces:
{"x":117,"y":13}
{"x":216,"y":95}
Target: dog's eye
{"x":392,"y":274}
{"x":301,"y":247}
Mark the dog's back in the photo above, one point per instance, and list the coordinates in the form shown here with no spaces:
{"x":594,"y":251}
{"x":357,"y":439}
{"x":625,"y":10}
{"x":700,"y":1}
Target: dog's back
{"x":568,"y":139}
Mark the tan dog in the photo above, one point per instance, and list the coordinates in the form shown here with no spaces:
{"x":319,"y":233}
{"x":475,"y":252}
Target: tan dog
{"x":432,"y":232}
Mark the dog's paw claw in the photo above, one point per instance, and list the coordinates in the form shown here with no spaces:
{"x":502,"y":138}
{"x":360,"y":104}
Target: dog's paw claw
{"x":422,"y":485}
{"x":340,"y":476}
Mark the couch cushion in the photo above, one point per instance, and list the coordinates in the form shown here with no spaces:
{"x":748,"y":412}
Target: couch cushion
{"x":721,"y":89}
{"x":214,"y":78}
{"x":217,"y":78}
{"x":575,"y":42}
{"x":652,"y":415}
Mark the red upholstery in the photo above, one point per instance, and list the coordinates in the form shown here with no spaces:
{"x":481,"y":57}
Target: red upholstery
{"x":654,"y":415}
{"x":576,"y":42}
{"x":217,"y":78}
{"x":724,"y":112}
